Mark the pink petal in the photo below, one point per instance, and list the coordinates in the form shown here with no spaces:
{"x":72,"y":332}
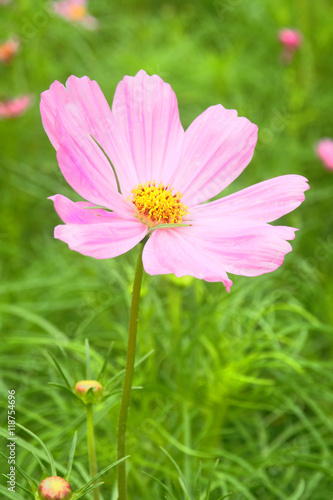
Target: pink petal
{"x":87,"y":170}
{"x":81,"y":110}
{"x":218,"y":146}
{"x":265,"y":201}
{"x":175,"y":251}
{"x":80,"y":212}
{"x":244,"y":247}
{"x":210,"y":250}
{"x":102,"y":241}
{"x":147,"y":114}
{"x":51,"y":101}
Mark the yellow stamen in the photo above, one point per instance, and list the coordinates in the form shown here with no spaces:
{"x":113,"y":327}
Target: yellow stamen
{"x":156,"y":204}
{"x":77,"y":12}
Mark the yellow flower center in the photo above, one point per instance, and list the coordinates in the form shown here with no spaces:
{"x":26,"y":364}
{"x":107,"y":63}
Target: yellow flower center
{"x":156,"y":204}
{"x":77,"y":12}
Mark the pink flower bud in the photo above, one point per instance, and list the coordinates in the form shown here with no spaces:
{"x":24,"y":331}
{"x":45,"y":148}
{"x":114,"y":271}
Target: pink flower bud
{"x":291,"y":40}
{"x":94,"y":395}
{"x":324,"y":151}
{"x":55,"y":488}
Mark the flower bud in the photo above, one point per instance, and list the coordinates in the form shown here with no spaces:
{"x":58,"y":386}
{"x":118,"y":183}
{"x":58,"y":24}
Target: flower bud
{"x":90,"y":391}
{"x":55,"y":488}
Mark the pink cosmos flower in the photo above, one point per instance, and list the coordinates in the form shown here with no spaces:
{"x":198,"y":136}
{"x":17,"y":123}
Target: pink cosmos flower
{"x":76,"y":11}
{"x":163,"y":178}
{"x":324,"y":151}
{"x":291,"y":40}
{"x":8,"y":49}
{"x":14,"y":107}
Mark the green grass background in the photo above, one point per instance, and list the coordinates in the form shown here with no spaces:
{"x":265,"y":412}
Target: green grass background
{"x":245,"y":377}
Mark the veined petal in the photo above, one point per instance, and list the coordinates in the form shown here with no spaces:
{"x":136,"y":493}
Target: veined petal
{"x":52,"y":100}
{"x":212,"y":249}
{"x":242,"y":246}
{"x":87,"y":170}
{"x":265,"y":201}
{"x":146,"y":111}
{"x":80,"y":110}
{"x":81,"y":212}
{"x":174,"y":251}
{"x":217,"y":147}
{"x":102,"y":241}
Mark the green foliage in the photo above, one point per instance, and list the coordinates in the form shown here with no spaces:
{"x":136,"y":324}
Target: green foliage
{"x":244,"y":377}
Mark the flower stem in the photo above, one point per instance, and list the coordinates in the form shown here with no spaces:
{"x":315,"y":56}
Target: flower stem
{"x":91,"y":447}
{"x":129,"y":372}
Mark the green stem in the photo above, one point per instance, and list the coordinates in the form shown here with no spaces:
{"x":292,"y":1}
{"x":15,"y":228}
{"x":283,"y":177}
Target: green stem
{"x":129,"y":372}
{"x":91,"y":447}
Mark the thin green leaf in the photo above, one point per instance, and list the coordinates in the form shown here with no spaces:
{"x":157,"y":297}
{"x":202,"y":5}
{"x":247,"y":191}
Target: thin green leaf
{"x":197,"y":488}
{"x":61,"y":371}
{"x":159,"y":482}
{"x":85,"y":492}
{"x":166,"y":226}
{"x":51,"y":460}
{"x":42,"y":466}
{"x":31,"y":481}
{"x":111,"y":164}
{"x":89,"y":483}
{"x":20,"y":486}
{"x":71,"y":457}
{"x":105,"y":364}
{"x":11,"y":495}
{"x":64,"y":388}
{"x":211,"y":478}
{"x":88,"y":368}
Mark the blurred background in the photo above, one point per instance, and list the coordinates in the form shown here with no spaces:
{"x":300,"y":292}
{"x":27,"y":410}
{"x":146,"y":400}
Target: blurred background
{"x":245,"y":377}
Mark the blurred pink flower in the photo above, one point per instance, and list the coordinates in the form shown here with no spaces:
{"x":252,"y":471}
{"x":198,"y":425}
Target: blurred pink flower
{"x":8,"y":49}
{"x":324,"y":151}
{"x":4,"y":2}
{"x":291,"y":40}
{"x":76,"y":11}
{"x":12,"y":108}
{"x":164,"y":178}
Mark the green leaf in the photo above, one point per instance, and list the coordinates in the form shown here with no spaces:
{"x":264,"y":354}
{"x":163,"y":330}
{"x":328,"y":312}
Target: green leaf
{"x":71,"y":457}
{"x":111,"y":164}
{"x":31,"y":481}
{"x":83,"y":490}
{"x":64,"y":388}
{"x":92,"y":487}
{"x":166,"y":226}
{"x":197,"y":488}
{"x":13,"y":496}
{"x":61,"y":371}
{"x":211,"y":478}
{"x":159,"y":482}
{"x":88,"y":368}
{"x":21,"y":487}
{"x":105,"y":364}
{"x":42,"y":466}
{"x":51,"y":460}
